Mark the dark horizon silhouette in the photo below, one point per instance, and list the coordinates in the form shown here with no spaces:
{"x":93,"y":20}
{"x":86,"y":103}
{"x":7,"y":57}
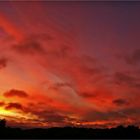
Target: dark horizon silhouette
{"x":68,"y":132}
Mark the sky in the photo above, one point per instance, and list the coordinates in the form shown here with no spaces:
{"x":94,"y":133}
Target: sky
{"x":70,"y":64}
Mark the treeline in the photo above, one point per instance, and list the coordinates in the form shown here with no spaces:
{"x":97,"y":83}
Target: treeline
{"x":71,"y":132}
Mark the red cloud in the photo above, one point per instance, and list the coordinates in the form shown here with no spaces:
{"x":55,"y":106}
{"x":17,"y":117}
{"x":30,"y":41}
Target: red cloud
{"x":11,"y":106}
{"x":3,"y":62}
{"x":2,"y":103}
{"x":14,"y":92}
{"x":10,"y":28}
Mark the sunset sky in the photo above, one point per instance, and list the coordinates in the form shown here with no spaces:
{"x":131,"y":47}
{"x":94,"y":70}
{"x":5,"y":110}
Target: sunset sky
{"x":70,"y":64}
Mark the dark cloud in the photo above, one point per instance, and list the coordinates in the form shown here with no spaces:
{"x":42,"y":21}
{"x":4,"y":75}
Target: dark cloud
{"x":3,"y":62}
{"x":134,"y":58}
{"x":98,"y":116}
{"x":108,"y":116}
{"x":16,"y":93}
{"x":62,"y":51}
{"x":2,"y":103}
{"x":65,"y":50}
{"x":131,"y":111}
{"x":48,"y":115}
{"x":120,"y":102}
{"x":121,"y":114}
{"x":123,"y":77}
{"x":11,"y":106}
{"x":87,"y":94}
{"x":51,"y":116}
{"x":34,"y":45}
{"x":29,"y":47}
{"x":126,"y":79}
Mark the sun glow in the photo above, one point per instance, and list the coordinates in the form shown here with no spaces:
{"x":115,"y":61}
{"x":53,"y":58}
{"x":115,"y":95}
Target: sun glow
{"x":4,"y":112}
{"x":13,"y":114}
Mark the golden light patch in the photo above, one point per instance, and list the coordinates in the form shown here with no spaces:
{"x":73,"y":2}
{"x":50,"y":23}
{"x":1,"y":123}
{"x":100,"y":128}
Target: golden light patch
{"x":9,"y":113}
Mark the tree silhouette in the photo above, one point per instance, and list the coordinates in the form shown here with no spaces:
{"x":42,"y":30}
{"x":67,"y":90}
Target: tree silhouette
{"x":2,"y":123}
